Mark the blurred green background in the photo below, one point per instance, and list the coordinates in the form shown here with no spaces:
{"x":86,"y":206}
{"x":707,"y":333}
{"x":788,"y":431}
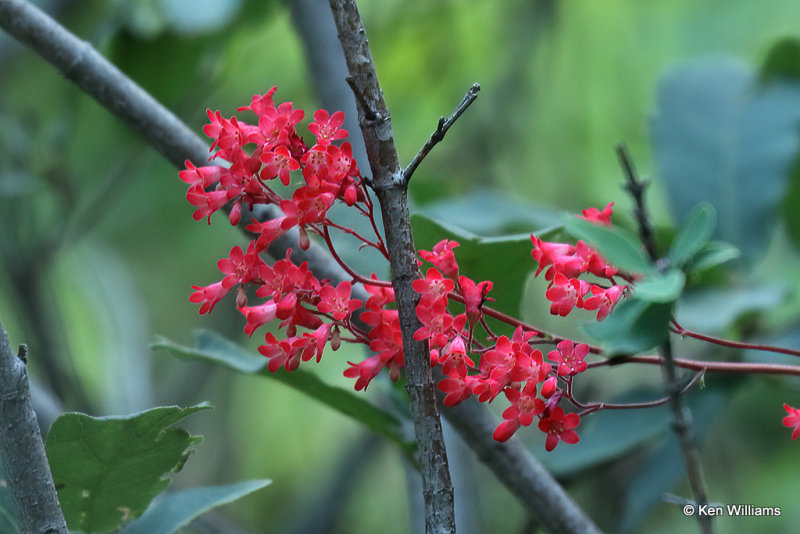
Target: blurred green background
{"x":99,"y":250}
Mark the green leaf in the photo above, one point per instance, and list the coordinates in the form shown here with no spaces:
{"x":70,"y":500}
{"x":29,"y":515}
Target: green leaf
{"x":657,"y":287}
{"x":8,"y":510}
{"x":712,"y":254}
{"x":108,"y":469}
{"x":490,"y":212}
{"x":720,"y":137}
{"x":620,"y":248}
{"x":506,"y":261}
{"x":791,"y":201}
{"x":695,"y":232}
{"x":782,"y":62}
{"x":179,"y":509}
{"x":214,"y":348}
{"x":634,"y":326}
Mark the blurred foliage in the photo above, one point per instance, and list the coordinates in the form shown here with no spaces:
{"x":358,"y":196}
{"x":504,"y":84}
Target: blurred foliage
{"x":99,"y":249}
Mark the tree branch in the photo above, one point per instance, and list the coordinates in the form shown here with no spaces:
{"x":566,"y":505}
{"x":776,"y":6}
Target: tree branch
{"x":441,"y":130}
{"x":391,"y":190}
{"x":514,"y":466}
{"x":681,"y":416}
{"x":22,"y":450}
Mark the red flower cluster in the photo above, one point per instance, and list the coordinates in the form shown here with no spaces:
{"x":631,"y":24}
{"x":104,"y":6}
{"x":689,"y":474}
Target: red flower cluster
{"x":510,"y":366}
{"x":565,"y":263}
{"x":314,"y":313}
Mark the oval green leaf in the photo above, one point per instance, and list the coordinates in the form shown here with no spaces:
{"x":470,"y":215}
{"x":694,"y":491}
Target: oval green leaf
{"x":695,"y":232}
{"x":659,"y":287}
{"x":179,"y":509}
{"x":108,"y":469}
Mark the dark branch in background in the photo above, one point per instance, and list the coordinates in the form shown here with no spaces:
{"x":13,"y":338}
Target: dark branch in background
{"x":636,"y":187}
{"x":313,"y":21}
{"x":681,"y":416}
{"x":514,"y":466}
{"x":441,"y":130}
{"x":22,"y":450}
{"x":90,"y":71}
{"x":392,"y":193}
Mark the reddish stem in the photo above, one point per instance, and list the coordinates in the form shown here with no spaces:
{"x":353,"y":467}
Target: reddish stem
{"x":356,"y":277}
{"x":710,"y":367}
{"x":681,"y":331}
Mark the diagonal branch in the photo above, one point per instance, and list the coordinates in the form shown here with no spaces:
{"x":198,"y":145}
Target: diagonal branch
{"x":22,"y":450}
{"x":441,"y":130}
{"x":513,"y":465}
{"x":681,"y":416}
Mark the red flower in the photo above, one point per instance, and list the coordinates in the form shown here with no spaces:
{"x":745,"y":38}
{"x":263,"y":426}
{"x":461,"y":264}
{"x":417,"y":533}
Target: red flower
{"x":454,"y":358}
{"x":474,"y":296}
{"x":258,"y":315}
{"x":443,"y":258}
{"x":240,"y":267}
{"x":433,"y":288}
{"x":284,"y":353}
{"x":337,"y":301}
{"x":792,"y":420}
{"x":364,"y":371}
{"x":569,"y":357}
{"x":208,"y":295}
{"x":206,"y":202}
{"x":524,"y":404}
{"x":565,"y":293}
{"x":524,"y":407}
{"x":457,"y":387}
{"x":327,"y":127}
{"x":603,"y":300}
{"x":278,"y":162}
{"x":205,"y":176}
{"x":558,"y":426}
{"x":602,"y":218}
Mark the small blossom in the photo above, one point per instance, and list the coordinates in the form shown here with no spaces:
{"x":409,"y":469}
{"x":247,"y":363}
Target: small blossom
{"x":561,"y":427}
{"x":457,"y":388}
{"x":443,"y":258}
{"x":603,"y":300}
{"x":792,"y":420}
{"x":365,"y":371}
{"x":278,"y":162}
{"x":433,"y":288}
{"x":337,"y":301}
{"x":208,"y":295}
{"x":569,"y":357}
{"x":565,"y":293}
{"x":602,"y":218}
{"x":327,"y":127}
{"x":474,"y":297}
{"x":454,"y":358}
{"x":258,"y":315}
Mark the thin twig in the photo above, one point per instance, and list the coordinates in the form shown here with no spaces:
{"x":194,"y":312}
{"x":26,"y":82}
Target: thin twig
{"x":709,"y":367}
{"x":681,"y":416}
{"x":636,"y":187}
{"x":685,"y":332}
{"x":22,"y":450}
{"x":441,"y":130}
